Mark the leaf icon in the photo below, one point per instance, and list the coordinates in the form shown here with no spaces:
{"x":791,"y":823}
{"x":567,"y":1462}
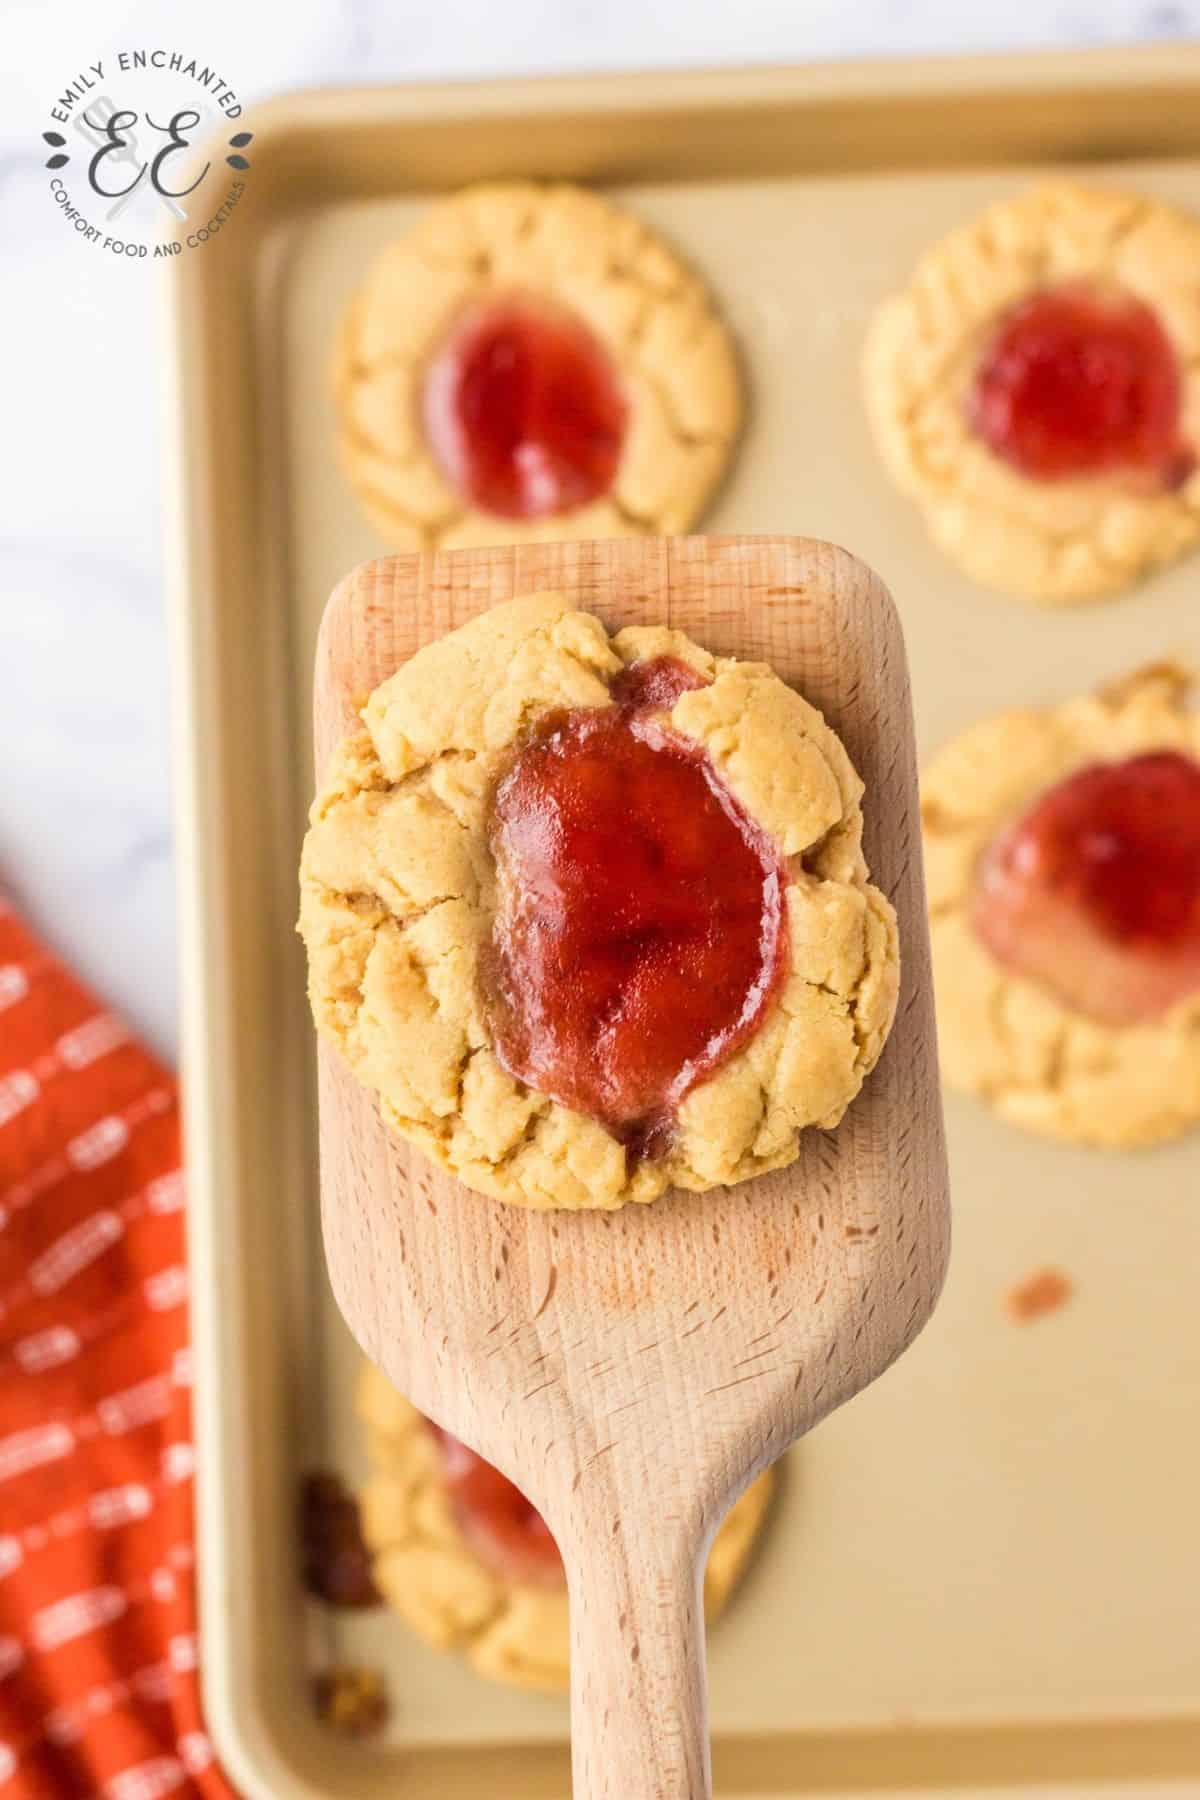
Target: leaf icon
{"x":56,"y":162}
{"x":52,"y":137}
{"x":240,"y":141}
{"x":236,"y":162}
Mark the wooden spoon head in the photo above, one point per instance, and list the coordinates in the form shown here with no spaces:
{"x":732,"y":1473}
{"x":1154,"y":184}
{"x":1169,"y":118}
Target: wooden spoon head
{"x":696,"y":1337}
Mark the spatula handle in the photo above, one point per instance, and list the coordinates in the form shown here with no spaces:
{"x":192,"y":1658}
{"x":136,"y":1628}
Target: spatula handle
{"x":639,"y":1694}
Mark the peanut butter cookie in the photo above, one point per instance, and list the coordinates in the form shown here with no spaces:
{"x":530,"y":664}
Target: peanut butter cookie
{"x":1062,"y":852}
{"x":591,"y":913}
{"x":469,"y":1565}
{"x":1036,"y":389}
{"x":531,"y":362}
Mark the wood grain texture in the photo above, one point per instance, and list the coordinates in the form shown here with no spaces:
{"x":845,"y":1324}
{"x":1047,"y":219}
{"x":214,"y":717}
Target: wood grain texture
{"x":633,"y":1371}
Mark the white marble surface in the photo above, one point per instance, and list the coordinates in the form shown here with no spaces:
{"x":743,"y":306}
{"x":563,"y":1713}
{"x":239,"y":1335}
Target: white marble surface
{"x":85,"y":827}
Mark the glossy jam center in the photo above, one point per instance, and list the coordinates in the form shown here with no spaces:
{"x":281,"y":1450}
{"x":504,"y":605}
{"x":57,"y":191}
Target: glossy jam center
{"x":1095,"y":892}
{"x":1077,"y":383}
{"x":639,"y":933}
{"x":522,"y":409}
{"x":506,"y":1531}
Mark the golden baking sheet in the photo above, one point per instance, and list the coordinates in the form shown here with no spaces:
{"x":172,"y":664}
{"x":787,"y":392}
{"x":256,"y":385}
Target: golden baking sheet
{"x":986,"y":1568}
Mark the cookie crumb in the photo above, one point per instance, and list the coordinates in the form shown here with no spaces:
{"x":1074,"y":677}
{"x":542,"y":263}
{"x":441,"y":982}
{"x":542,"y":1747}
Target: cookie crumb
{"x":352,"y":1701}
{"x":1040,"y":1293}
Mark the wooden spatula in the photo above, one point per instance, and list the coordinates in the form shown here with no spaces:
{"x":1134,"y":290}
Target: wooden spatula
{"x":632,"y":1372}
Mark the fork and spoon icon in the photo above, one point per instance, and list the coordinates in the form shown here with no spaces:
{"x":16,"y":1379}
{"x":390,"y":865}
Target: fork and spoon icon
{"x":95,"y":130}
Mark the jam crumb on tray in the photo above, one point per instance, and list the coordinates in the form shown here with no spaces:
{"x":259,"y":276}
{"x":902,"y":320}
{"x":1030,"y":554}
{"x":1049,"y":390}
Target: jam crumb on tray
{"x":335,"y":1561}
{"x":1042,"y":1293}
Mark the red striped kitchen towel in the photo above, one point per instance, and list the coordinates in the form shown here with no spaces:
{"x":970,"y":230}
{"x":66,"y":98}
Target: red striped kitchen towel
{"x":99,"y":1693}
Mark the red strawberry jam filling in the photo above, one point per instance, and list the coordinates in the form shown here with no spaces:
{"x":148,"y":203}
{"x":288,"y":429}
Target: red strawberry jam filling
{"x":640,"y":925}
{"x":1077,"y":382}
{"x":1095,"y":892}
{"x":523,"y":410}
{"x":503,"y":1528}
